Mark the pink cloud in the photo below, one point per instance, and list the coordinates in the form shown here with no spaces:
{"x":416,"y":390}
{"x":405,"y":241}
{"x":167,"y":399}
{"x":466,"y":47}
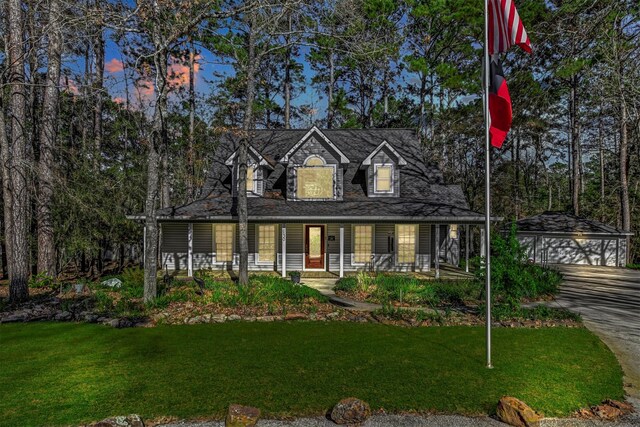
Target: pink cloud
{"x":119,"y":100}
{"x":179,"y":72}
{"x":71,"y":87}
{"x":114,"y":66}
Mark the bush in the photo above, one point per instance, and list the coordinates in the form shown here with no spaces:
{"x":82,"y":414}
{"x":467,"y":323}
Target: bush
{"x":132,"y":282}
{"x":42,"y":280}
{"x":103,"y":301}
{"x":540,"y":312}
{"x":162,"y":302}
{"x":512,"y":276}
{"x":346,"y":284}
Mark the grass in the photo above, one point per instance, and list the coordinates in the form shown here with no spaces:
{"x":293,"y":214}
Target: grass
{"x":60,"y":374}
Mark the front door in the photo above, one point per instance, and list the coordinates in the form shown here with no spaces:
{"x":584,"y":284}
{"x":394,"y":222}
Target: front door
{"x":314,"y":246}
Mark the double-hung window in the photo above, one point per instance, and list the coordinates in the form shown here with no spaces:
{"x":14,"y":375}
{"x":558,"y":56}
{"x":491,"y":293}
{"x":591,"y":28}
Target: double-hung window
{"x":266,"y":243}
{"x":383,"y":178}
{"x":223,"y":242}
{"x":362,"y":243}
{"x":406,"y":241}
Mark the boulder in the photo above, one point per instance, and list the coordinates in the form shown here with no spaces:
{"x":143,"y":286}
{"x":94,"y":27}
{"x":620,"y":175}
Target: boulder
{"x":65,"y":315}
{"x":234,"y":317}
{"x":295,"y":316}
{"x":241,"y":416}
{"x":218,"y":318}
{"x":517,"y":413}
{"x":112,"y":283}
{"x":132,"y":420}
{"x":350,"y":411}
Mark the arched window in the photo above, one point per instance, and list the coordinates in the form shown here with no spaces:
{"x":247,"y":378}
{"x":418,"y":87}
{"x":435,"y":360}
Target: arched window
{"x":314,"y":161}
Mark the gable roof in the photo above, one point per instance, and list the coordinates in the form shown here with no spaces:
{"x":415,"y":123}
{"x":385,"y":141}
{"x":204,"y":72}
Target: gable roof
{"x":554,"y":222}
{"x":423,"y":192}
{"x":260,"y":157}
{"x":312,"y":131}
{"x":399,"y":159}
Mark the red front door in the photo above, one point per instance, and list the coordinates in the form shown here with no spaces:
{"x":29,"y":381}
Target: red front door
{"x":314,"y":246}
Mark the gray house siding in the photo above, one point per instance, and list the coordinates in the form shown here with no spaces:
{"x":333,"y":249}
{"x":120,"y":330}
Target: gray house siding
{"x":174,"y":248}
{"x":383,"y":156}
{"x":314,"y":147}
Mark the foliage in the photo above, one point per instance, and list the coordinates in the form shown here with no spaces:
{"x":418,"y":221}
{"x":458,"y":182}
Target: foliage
{"x":539,"y":312}
{"x":42,"y":280}
{"x":405,"y":289}
{"x":168,"y":370}
{"x":512,"y":276}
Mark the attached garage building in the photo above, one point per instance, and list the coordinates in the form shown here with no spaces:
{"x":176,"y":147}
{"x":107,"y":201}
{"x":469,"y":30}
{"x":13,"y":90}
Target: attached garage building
{"x":562,"y":238}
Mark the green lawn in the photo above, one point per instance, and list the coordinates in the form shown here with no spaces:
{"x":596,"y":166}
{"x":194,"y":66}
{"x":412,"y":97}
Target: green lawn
{"x":63,"y":373}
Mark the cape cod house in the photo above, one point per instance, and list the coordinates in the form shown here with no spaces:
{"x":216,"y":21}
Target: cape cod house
{"x":322,"y":200}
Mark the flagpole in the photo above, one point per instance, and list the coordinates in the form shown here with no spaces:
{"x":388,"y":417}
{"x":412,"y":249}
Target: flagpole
{"x":487,"y":180}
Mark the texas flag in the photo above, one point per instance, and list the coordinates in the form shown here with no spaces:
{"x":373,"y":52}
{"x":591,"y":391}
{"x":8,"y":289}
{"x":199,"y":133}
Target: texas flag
{"x":505,"y":30}
{"x":499,"y":104}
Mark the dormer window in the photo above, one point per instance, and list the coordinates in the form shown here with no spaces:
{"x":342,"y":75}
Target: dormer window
{"x":383,"y":179}
{"x":251,"y":180}
{"x":315,"y":180}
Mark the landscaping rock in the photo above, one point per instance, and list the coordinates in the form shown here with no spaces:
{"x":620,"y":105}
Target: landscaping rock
{"x":295,"y":316}
{"x":112,"y":283}
{"x":65,"y":315}
{"x":350,"y":411}
{"x":132,"y":420}
{"x":517,"y":413}
{"x":241,"y":416}
{"x":234,"y":317}
{"x":217,"y":318}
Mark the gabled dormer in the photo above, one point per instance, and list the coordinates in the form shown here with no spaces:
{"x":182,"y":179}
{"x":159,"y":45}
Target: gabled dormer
{"x":382,"y":168}
{"x":258,"y":168}
{"x":315,"y":168}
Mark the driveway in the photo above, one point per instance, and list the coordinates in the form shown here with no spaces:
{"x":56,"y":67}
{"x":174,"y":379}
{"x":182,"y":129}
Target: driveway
{"x":608,"y":299}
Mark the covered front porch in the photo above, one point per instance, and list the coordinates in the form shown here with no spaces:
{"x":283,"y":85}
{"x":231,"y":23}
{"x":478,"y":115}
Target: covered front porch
{"x":319,"y":248}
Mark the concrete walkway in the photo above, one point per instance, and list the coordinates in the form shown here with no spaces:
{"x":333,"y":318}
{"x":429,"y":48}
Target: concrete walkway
{"x":325,"y":287}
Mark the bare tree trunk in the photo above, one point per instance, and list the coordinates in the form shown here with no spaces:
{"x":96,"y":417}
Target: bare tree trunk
{"x":287,"y":81}
{"x":332,"y":77}
{"x":165,"y":199}
{"x":17,"y":224}
{"x":98,"y":88}
{"x":624,"y":171}
{"x":601,"y":156}
{"x":156,"y":144}
{"x":192,"y":125}
{"x":46,"y":243}
{"x":575,"y":150}
{"x":247,"y":124}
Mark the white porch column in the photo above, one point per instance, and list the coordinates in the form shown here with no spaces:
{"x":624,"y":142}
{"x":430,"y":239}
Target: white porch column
{"x":283,"y":227}
{"x":341,"y":250}
{"x":437,"y":251}
{"x":466,"y":248}
{"x":482,"y":243}
{"x":190,"y":251}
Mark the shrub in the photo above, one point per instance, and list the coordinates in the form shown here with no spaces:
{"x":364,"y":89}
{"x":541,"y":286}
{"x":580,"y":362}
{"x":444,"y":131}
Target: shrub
{"x":103,"y":301}
{"x":162,"y":302}
{"x":42,"y":280}
{"x":540,"y":312}
{"x":512,"y":277}
{"x":132,"y":282}
{"x":346,"y":284}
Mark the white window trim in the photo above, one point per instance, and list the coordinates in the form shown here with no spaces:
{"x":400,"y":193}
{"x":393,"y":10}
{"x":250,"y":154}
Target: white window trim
{"x":416,"y":246}
{"x":375,"y":177}
{"x":353,"y":244}
{"x":335,"y":182}
{"x":257,"y":244}
{"x":233,"y":245}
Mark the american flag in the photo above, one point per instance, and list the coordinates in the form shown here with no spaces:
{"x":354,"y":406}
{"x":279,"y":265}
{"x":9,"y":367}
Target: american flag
{"x":505,"y":27}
